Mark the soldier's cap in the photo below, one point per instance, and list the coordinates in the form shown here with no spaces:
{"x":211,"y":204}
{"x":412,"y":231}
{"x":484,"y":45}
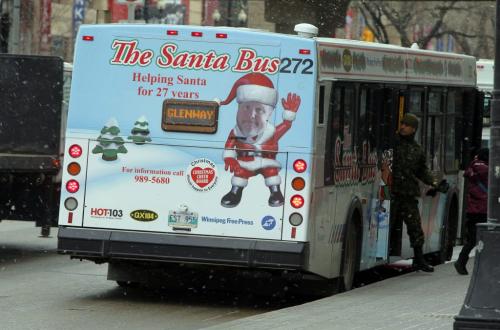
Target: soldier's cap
{"x":410,"y":119}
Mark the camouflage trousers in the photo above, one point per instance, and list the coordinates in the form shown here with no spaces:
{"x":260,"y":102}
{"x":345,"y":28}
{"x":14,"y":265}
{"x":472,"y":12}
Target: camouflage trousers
{"x":406,"y":209}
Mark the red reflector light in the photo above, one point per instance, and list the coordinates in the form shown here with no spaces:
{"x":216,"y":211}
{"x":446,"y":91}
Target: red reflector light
{"x":297,"y":201}
{"x":56,"y":163}
{"x":72,"y":186}
{"x":294,"y":232}
{"x":196,"y":34}
{"x":172,"y":32}
{"x":70,"y":217}
{"x":221,"y":35}
{"x":299,"y":165}
{"x":88,"y":38}
{"x":75,"y":151}
{"x":304,"y":51}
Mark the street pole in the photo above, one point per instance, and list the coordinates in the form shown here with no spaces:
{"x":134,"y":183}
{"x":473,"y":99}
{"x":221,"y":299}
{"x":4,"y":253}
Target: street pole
{"x":14,"y":34}
{"x":481,"y":308}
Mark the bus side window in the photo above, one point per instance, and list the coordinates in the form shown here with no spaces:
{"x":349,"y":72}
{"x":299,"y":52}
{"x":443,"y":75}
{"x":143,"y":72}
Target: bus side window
{"x":321,"y":106}
{"x":340,"y":134}
{"x":334,"y":119}
{"x":434,"y":129}
{"x":367,"y":127}
{"x":452,"y":146}
{"x":415,"y":106}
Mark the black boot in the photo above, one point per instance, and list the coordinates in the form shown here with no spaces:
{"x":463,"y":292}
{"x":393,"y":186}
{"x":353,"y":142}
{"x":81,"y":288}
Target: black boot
{"x":232,"y":198}
{"x":276,"y":198}
{"x":460,"y":264}
{"x":419,"y":262}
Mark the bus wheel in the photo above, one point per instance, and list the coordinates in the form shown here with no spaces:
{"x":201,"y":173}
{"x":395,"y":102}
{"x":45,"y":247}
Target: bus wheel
{"x":349,"y":258}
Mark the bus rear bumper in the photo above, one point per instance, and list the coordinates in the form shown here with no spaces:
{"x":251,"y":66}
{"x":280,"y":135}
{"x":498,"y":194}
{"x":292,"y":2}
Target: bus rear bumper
{"x":103,"y":245}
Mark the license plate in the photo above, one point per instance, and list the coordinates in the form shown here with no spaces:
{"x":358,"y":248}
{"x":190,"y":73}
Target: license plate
{"x":183,"y":220}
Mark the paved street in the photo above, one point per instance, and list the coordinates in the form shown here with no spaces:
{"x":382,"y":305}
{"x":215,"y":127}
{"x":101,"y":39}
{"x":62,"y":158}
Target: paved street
{"x":413,"y":301}
{"x":40,"y":289}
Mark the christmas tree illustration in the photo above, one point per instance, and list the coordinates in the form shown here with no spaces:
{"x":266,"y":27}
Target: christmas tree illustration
{"x":140,"y":132}
{"x":110,"y":144}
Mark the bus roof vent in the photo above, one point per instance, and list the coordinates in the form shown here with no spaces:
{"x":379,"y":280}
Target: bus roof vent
{"x":414,"y":46}
{"x":306,"y":30}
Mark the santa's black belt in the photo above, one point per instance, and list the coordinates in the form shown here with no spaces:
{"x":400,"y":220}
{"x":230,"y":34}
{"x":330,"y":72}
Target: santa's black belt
{"x":250,"y":153}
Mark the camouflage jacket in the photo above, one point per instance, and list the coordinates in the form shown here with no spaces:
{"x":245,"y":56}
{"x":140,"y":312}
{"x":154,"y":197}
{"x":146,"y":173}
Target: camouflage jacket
{"x":408,"y":166}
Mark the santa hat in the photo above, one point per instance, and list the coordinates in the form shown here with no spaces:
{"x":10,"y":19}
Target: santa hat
{"x":253,"y":87}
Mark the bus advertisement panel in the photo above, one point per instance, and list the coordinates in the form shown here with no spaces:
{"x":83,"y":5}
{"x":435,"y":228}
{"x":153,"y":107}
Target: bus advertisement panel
{"x":182,"y":131}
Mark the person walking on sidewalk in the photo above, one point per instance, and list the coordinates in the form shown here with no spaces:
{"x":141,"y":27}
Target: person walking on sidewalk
{"x":477,"y":205}
{"x":409,"y":166}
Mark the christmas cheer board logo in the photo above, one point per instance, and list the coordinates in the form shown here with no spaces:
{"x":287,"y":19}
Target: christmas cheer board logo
{"x":202,"y":174}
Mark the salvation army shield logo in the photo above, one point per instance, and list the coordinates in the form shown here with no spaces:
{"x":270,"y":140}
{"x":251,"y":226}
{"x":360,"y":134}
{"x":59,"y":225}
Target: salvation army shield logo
{"x":202,"y":174}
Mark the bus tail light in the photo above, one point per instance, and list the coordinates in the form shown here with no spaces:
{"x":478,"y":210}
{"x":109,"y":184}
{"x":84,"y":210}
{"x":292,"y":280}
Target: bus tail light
{"x":304,"y":51}
{"x":74,"y":168}
{"x":72,"y":186}
{"x":298,"y":184}
{"x":88,"y":38}
{"x":300,"y":165}
{"x":295,"y":219}
{"x":70,"y":204}
{"x":56,"y":163}
{"x":297,"y":201}
{"x":75,"y":151}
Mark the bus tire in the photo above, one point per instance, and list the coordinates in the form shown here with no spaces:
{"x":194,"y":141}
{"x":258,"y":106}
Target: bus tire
{"x":350,"y":254}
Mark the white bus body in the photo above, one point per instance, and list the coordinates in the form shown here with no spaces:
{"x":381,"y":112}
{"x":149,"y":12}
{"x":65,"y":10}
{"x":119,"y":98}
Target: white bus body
{"x":153,"y":127}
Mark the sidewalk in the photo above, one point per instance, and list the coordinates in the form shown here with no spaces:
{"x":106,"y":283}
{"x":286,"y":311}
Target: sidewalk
{"x":413,"y":301}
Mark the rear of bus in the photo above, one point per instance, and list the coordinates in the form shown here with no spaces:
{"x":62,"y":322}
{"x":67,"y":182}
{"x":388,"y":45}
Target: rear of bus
{"x":156,"y":143}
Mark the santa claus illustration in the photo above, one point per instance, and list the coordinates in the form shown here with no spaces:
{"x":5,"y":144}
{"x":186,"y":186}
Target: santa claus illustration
{"x":252,"y":144}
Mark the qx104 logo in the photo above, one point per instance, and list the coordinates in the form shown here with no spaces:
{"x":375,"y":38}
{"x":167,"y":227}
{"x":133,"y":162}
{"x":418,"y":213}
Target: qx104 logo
{"x":127,"y":53}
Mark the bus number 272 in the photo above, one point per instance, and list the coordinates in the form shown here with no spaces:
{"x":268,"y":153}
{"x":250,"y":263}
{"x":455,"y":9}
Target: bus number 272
{"x":291,"y":65}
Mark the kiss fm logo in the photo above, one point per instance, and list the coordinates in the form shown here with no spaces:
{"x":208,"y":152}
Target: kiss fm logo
{"x":106,"y":213}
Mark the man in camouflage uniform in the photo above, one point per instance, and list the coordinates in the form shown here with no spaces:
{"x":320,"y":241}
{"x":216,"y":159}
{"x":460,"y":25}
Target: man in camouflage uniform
{"x":409,"y":166}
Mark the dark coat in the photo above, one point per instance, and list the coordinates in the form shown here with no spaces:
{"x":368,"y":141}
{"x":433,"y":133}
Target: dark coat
{"x":408,"y":167}
{"x":477,"y":197}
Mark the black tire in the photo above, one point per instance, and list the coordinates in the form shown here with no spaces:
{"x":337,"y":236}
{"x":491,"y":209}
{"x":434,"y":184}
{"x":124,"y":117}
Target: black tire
{"x":349,"y":258}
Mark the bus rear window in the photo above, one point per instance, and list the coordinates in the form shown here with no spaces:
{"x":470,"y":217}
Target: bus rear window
{"x":190,"y":116}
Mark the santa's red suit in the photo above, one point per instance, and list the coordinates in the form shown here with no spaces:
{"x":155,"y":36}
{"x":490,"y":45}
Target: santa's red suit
{"x":257,"y":155}
{"x":247,"y":156}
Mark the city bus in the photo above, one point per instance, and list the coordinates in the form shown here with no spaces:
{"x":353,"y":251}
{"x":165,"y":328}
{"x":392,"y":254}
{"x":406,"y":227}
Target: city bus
{"x":485,"y":76}
{"x":255,"y":151}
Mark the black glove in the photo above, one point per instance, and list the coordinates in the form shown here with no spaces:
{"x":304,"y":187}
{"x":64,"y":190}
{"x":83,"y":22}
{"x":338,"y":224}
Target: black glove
{"x":431,"y":192}
{"x":443,"y":186}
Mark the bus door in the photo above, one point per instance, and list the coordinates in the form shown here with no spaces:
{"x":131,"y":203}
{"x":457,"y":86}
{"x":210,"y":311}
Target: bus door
{"x":373,"y":155}
{"x":395,"y":107}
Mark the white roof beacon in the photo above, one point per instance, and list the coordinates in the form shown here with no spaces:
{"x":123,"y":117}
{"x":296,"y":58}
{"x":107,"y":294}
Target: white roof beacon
{"x":306,"y":30}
